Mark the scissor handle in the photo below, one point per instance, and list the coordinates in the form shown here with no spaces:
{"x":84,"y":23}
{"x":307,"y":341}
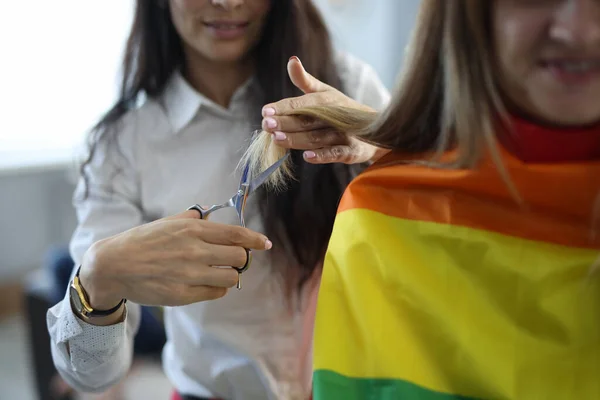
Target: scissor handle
{"x":248,"y":262}
{"x":204,"y":215}
{"x":203,"y":211}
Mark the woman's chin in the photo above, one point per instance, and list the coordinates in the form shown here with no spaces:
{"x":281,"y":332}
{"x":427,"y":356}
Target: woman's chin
{"x":569,"y":114}
{"x":229,"y":53}
{"x":574,"y":120}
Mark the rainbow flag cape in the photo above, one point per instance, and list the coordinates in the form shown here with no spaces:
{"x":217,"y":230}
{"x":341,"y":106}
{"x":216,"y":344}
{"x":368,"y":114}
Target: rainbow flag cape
{"x":437,"y":285}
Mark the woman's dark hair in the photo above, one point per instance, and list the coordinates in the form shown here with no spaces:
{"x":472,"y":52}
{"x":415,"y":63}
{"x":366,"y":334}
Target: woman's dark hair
{"x":298,"y":220}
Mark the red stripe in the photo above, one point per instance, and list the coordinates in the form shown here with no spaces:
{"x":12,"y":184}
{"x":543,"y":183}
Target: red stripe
{"x":175,"y":396}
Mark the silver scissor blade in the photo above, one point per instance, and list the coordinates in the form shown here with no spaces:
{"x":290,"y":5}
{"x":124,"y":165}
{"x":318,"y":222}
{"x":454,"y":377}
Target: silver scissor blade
{"x":260,"y":179}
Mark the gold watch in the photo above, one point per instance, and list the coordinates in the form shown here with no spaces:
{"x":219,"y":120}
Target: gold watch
{"x":81,"y":303}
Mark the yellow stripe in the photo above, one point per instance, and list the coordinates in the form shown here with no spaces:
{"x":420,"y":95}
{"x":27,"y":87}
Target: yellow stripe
{"x":458,"y":310}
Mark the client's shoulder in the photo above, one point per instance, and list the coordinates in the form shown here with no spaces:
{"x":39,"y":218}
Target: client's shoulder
{"x":397,"y":176}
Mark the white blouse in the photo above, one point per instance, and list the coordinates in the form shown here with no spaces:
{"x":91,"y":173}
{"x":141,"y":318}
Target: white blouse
{"x":173,"y":152}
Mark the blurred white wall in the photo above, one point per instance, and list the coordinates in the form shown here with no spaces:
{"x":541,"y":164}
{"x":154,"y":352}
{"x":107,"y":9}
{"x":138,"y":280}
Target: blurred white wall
{"x":59,"y":63}
{"x":57,"y":74}
{"x":376,"y":31}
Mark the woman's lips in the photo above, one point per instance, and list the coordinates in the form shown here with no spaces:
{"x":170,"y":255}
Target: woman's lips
{"x":227,"y":29}
{"x":574,"y":72}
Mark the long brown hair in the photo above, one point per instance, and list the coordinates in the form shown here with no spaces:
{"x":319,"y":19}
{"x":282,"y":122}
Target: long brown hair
{"x":298,"y":220}
{"x":447,"y":97}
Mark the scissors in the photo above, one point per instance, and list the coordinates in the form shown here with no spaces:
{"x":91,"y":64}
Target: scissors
{"x":238,"y":201}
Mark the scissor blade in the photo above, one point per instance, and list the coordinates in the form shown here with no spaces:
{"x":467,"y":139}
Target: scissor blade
{"x":244,"y":180}
{"x":260,"y":179}
{"x":239,"y":198}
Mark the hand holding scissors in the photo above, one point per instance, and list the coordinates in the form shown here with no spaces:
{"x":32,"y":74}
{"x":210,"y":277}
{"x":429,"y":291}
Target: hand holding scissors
{"x":169,"y":262}
{"x":238,"y":201}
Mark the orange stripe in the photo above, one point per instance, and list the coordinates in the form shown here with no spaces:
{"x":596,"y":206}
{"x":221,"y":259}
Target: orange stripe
{"x":480,"y":198}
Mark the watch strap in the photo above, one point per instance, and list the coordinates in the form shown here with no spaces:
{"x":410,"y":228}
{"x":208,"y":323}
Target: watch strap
{"x":86,"y":309}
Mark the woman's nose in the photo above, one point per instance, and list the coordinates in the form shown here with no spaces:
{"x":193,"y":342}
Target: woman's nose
{"x":227,"y":4}
{"x":577,"y":24}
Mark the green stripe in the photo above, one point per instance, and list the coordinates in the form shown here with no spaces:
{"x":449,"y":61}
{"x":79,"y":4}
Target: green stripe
{"x":329,"y":385}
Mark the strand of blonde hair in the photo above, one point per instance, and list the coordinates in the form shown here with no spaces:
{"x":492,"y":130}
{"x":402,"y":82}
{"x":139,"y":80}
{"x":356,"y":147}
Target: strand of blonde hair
{"x":263,"y":152}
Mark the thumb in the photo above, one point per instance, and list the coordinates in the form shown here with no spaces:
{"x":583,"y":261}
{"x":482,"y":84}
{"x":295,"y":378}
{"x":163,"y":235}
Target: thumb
{"x":302,"y":79}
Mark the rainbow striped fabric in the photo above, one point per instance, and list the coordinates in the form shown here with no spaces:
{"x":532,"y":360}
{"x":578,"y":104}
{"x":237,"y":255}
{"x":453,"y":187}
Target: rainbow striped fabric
{"x":438,"y":286}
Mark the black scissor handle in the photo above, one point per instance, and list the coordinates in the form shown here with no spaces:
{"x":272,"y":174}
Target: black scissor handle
{"x":203,"y":215}
{"x":203,"y":211}
{"x":248,"y":261}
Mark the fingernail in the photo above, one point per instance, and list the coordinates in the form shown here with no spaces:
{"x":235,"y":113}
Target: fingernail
{"x":268,"y":112}
{"x":295,"y":58}
{"x":279,"y":136}
{"x":309,"y":154}
{"x":268,"y":244}
{"x":271,"y":123}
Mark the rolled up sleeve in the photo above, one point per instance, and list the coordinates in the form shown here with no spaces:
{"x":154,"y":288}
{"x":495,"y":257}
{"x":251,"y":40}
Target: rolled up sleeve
{"x":92,"y":358}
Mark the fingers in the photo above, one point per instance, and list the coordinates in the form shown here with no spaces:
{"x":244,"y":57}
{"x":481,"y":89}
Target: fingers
{"x":230,"y":235}
{"x":220,"y":255}
{"x":216,"y":233}
{"x":216,"y":277}
{"x":302,"y":79}
{"x":291,"y":123}
{"x":310,"y":140}
{"x":204,"y":264}
{"x":277,"y":115}
{"x":354,"y":152}
{"x":288,"y":106}
{"x":199,"y":273}
{"x":189,"y":214}
{"x":335,"y":154}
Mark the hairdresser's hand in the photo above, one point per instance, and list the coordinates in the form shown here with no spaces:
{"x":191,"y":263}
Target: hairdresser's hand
{"x":323,"y":145}
{"x":168,"y":262}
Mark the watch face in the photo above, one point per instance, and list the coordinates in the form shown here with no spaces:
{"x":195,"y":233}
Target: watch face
{"x":76,"y":300}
